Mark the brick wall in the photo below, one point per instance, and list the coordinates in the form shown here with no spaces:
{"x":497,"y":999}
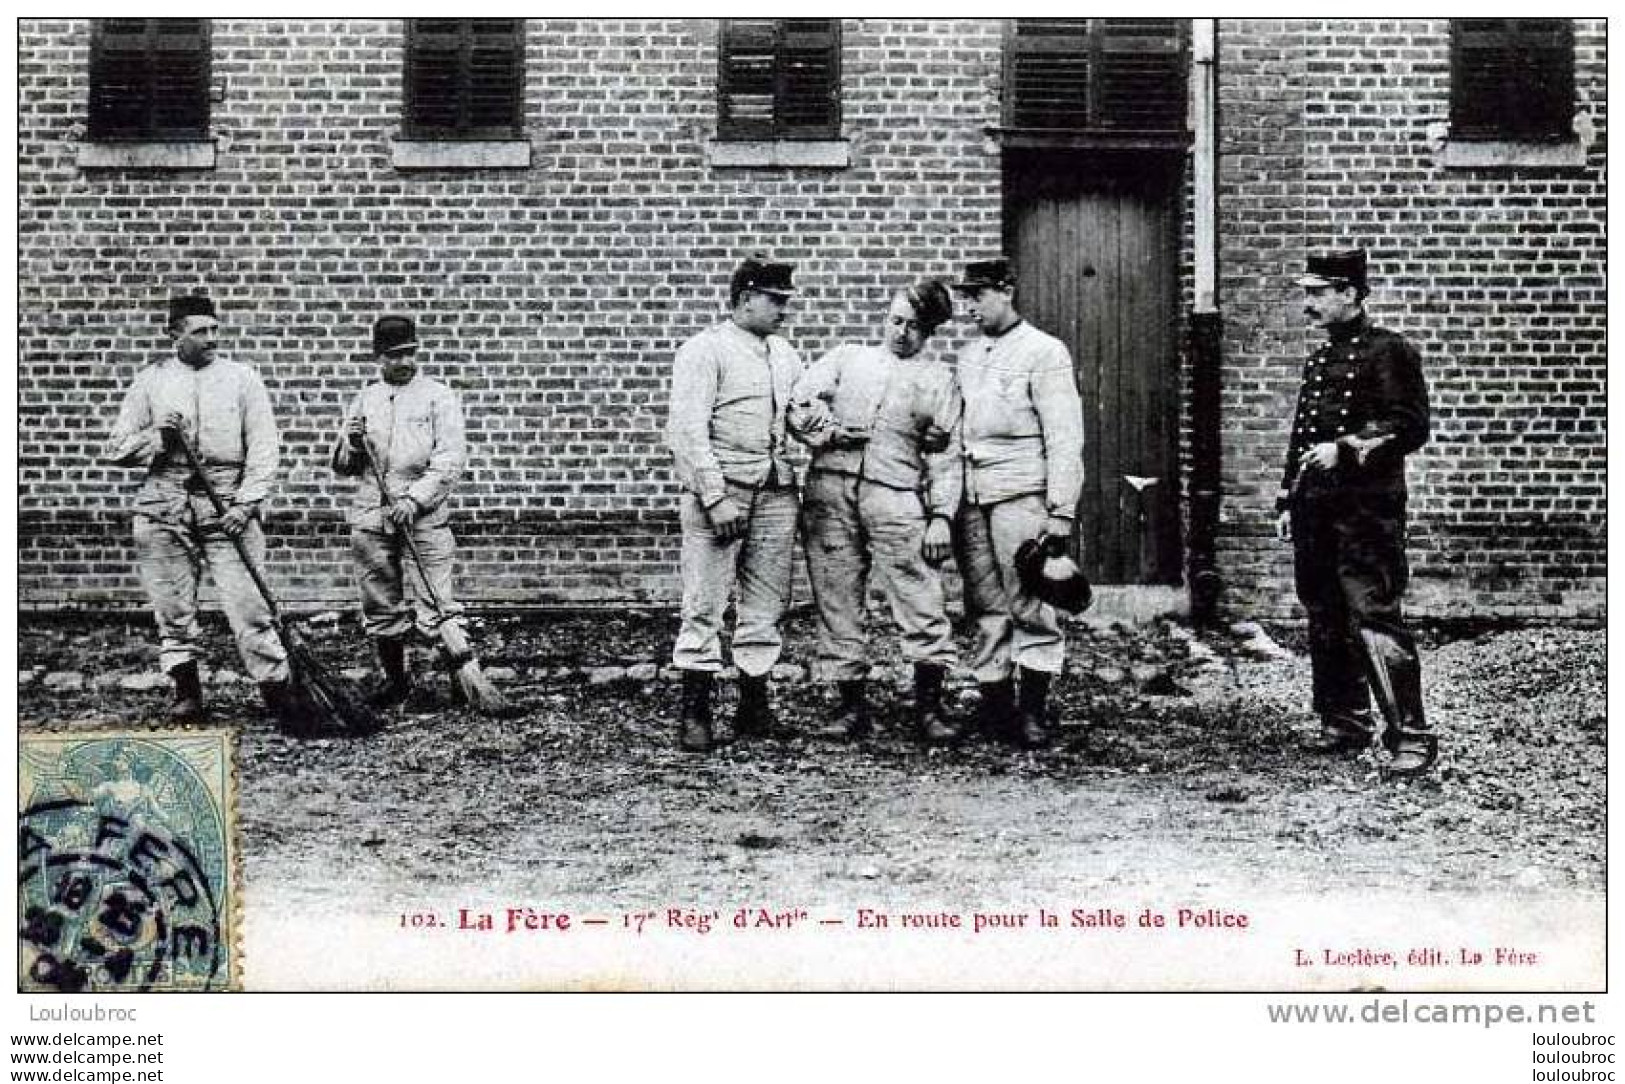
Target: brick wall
{"x":1497,"y":274}
{"x":554,"y":297}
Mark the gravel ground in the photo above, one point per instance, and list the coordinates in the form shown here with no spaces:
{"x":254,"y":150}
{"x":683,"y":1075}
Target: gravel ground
{"x":1177,"y":768}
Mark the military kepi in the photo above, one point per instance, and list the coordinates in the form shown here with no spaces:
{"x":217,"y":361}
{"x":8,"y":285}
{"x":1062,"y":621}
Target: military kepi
{"x":986,"y":274}
{"x":1343,"y":268}
{"x":392,"y":334}
{"x":1049,"y":575}
{"x":764,"y":277}
{"x":189,"y":305}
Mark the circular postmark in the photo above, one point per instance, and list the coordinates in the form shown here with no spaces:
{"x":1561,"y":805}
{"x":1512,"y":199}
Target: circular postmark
{"x":118,"y":879}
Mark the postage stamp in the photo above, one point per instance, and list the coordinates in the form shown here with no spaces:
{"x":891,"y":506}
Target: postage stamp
{"x":128,"y":872}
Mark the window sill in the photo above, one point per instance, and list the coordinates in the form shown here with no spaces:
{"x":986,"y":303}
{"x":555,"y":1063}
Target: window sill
{"x":190,"y":154}
{"x":461,"y":153}
{"x":1090,"y":140}
{"x":1497,"y":154}
{"x":779,"y":154}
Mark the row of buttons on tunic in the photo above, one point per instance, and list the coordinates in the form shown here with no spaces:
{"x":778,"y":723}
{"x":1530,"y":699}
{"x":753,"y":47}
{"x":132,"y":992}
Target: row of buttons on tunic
{"x":1314,"y":397}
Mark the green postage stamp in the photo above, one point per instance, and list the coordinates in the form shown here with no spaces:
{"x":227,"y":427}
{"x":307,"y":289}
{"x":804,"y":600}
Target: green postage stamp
{"x":127,"y":861}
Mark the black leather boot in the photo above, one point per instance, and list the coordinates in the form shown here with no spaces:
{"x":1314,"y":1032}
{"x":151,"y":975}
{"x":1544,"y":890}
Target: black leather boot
{"x":286,"y":708}
{"x":1033,"y":727}
{"x":852,"y":720}
{"x":754,"y":716}
{"x":996,"y":717}
{"x":1395,"y":670}
{"x":188,"y":706}
{"x":1342,"y":732}
{"x":452,"y":666}
{"x":397,"y":683}
{"x":931,"y":726}
{"x":694,"y":734}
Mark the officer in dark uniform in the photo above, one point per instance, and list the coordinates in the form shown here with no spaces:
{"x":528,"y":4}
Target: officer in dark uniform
{"x":1362,"y":408}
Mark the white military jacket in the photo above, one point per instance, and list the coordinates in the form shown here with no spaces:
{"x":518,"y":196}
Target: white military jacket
{"x":227,"y":421}
{"x":1023,"y":429}
{"x":894,"y":400}
{"x":417,"y":430}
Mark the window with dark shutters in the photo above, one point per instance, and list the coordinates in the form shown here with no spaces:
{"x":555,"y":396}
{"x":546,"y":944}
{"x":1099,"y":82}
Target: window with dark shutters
{"x":149,"y":79}
{"x":465,"y":78}
{"x":1108,"y":77}
{"x":779,"y":79}
{"x":1512,"y":79}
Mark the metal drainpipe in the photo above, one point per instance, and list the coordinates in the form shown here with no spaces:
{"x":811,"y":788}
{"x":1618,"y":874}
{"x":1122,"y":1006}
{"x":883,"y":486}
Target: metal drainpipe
{"x":1206,"y":332}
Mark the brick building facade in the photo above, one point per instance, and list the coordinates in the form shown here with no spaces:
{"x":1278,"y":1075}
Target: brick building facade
{"x":554,"y":274}
{"x":1337,"y":133}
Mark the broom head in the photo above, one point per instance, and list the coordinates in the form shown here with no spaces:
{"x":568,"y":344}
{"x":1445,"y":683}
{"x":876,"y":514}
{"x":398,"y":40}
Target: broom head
{"x":330,"y":703}
{"x":478,"y":690}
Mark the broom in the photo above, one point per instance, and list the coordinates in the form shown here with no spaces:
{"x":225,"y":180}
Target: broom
{"x":478,"y":690}
{"x":333,"y":699}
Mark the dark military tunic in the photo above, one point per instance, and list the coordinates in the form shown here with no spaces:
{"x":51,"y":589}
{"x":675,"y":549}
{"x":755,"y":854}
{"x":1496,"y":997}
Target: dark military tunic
{"x":1364,"y":382}
{"x":1363,"y":385}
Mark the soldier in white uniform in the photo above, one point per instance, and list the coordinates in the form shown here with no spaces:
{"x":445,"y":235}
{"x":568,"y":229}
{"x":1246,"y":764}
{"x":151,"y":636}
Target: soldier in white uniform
{"x":730,"y":392}
{"x":220,"y":408}
{"x":882,"y":493}
{"x":1023,"y":450}
{"x":415,"y":425}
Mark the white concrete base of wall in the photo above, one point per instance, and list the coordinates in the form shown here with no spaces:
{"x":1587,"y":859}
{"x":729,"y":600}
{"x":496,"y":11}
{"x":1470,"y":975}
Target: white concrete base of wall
{"x":1134,"y":604}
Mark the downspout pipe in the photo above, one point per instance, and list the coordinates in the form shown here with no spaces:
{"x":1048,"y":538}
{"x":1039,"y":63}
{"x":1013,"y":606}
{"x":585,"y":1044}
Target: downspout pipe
{"x":1206,"y":331}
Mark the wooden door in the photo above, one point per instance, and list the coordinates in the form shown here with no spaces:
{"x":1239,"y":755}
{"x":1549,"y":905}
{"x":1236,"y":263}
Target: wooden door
{"x":1095,"y":243}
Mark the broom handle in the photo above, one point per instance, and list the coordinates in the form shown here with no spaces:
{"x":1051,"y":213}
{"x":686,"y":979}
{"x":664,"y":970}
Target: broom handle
{"x":237,"y":543}
{"x":404,"y":532}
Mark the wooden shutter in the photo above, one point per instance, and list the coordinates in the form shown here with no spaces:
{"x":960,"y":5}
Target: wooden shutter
{"x":808,"y":99}
{"x":149,"y":79}
{"x":1142,"y":75}
{"x":1511,"y":79}
{"x":1108,"y":76}
{"x":465,"y":78}
{"x":779,"y":79}
{"x":1050,"y":65}
{"x":748,"y":80}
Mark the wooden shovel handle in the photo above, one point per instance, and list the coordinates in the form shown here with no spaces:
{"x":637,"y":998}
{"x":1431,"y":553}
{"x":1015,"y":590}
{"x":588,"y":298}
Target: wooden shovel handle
{"x":404,"y":532}
{"x":237,"y":543}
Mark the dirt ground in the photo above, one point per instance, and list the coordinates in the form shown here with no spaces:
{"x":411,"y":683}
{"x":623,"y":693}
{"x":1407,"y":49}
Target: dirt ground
{"x":1177,"y":767}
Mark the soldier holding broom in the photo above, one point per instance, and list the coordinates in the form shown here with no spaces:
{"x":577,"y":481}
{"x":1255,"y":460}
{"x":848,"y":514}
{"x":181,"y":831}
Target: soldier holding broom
{"x":403,"y":437}
{"x":201,"y":428}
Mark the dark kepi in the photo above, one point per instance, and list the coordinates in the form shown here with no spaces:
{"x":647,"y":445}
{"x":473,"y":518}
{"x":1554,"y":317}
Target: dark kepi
{"x":1049,"y":575}
{"x":1337,"y":269}
{"x":985,"y":275}
{"x":393,"y":333}
{"x":189,"y":305}
{"x":764,"y":277}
